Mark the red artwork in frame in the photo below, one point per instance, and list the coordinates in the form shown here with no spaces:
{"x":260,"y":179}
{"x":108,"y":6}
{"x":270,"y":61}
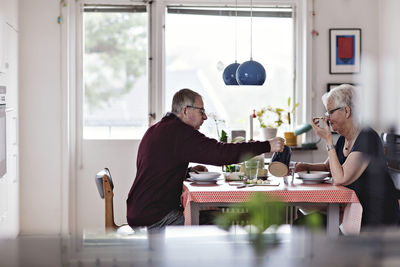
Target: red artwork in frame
{"x":345,"y":51}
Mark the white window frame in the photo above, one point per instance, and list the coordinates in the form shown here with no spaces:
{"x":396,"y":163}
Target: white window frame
{"x":303,"y":51}
{"x":79,"y":57}
{"x":156,"y":66}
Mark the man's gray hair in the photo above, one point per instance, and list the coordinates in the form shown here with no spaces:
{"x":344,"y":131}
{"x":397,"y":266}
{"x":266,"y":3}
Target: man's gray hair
{"x":182,"y":98}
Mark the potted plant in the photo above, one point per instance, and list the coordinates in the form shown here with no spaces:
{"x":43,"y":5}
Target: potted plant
{"x":273,"y":118}
{"x":290,"y":138}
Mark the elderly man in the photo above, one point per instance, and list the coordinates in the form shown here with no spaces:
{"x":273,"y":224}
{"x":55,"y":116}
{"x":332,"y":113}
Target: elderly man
{"x":163,"y":157}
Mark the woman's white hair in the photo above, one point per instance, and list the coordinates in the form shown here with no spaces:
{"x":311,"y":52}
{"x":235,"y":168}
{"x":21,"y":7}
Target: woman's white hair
{"x":341,"y":96}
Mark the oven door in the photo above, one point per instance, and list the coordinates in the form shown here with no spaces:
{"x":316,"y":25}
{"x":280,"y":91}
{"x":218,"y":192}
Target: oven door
{"x":3,"y":142}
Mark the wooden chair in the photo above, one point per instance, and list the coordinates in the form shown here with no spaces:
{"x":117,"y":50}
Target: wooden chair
{"x":105,"y":187}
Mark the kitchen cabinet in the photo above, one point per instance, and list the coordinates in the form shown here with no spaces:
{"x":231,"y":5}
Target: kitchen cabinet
{"x":8,"y":18}
{"x":11,"y":66}
{"x":9,"y":12}
{"x":10,"y":225}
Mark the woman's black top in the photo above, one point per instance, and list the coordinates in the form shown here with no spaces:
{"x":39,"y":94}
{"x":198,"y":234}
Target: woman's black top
{"x":374,"y":188}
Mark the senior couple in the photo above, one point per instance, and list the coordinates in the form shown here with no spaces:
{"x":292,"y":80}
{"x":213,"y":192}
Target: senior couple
{"x":356,"y":161}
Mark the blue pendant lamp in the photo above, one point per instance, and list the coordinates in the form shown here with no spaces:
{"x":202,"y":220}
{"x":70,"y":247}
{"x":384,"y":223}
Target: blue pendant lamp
{"x":251,"y":72}
{"x":229,"y":74}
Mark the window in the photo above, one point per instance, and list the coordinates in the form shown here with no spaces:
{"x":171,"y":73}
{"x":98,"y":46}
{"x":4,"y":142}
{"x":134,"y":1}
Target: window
{"x":200,"y":43}
{"x":115,"y":43}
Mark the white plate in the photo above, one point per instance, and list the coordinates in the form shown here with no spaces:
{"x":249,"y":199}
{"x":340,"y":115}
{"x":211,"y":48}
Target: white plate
{"x":204,"y":176}
{"x":314,"y":180}
{"x":204,"y":182}
{"x":313,"y":174}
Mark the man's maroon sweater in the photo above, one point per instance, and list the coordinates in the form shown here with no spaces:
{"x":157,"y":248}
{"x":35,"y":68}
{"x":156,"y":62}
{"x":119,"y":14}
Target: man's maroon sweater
{"x":162,"y":161}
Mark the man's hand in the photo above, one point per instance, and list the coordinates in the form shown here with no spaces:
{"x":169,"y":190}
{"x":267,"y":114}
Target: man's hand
{"x":276,"y":144}
{"x":199,"y":168}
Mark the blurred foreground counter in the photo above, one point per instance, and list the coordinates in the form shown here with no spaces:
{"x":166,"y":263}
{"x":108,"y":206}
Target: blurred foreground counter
{"x":204,"y":246}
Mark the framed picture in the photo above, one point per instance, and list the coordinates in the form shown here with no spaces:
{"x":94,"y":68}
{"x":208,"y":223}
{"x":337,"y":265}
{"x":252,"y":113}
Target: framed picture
{"x":333,"y":85}
{"x":344,"y":51}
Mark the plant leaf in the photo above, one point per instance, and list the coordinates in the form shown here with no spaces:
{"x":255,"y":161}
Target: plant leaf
{"x":295,"y":106}
{"x":224,"y":136}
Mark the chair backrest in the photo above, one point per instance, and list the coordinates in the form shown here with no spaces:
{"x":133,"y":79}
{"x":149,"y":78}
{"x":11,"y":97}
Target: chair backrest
{"x":105,"y":187}
{"x":391,"y":143}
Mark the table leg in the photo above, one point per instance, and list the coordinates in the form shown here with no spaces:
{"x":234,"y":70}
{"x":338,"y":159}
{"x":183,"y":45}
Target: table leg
{"x":333,"y":219}
{"x":194,"y":213}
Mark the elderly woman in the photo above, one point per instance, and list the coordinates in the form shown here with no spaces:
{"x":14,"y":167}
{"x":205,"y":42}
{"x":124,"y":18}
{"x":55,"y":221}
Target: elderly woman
{"x":357,"y":160}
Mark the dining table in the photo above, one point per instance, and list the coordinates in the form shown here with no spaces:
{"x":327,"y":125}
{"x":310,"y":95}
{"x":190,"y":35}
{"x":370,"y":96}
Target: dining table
{"x":294,"y":192}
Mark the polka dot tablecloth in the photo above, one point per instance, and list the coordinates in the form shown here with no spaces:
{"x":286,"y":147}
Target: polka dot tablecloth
{"x":292,"y":193}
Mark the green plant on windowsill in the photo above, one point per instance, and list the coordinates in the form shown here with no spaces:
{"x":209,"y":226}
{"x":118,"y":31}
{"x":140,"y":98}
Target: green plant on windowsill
{"x":223,"y":137}
{"x":273,"y":117}
{"x":291,"y":112}
{"x":290,"y":138}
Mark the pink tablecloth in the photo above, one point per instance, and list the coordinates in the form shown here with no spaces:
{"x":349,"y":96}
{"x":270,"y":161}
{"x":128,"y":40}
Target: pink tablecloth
{"x":292,"y":193}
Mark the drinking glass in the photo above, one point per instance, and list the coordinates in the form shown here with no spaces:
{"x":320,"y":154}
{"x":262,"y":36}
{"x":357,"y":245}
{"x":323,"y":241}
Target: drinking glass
{"x":251,"y":169}
{"x":292,"y":168}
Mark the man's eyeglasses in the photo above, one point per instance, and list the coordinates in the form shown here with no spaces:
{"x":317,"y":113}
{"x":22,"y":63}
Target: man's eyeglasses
{"x":202,"y":110}
{"x":330,"y":112}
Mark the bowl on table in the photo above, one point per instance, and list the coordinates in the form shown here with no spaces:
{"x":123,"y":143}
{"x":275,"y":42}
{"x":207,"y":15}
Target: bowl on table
{"x":314,"y":177}
{"x":233,"y":176}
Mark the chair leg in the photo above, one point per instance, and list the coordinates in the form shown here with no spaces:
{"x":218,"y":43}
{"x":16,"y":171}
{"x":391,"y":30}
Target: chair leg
{"x":109,"y":207}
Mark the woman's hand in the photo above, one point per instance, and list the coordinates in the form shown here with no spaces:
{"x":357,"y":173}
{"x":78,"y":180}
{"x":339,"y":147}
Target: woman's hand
{"x":199,"y":168}
{"x":324,"y":133}
{"x":301,"y":167}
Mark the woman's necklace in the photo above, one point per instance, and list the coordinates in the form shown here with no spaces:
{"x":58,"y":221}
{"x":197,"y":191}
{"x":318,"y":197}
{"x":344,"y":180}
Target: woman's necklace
{"x":348,"y":143}
{"x":346,"y":147}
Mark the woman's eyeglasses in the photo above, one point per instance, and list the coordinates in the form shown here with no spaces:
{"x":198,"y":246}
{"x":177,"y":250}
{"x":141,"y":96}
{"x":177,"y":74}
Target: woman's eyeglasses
{"x":330,"y":112}
{"x":202,"y":110}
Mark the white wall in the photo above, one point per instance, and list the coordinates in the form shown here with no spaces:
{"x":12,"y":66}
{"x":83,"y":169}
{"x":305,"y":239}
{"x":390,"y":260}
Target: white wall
{"x":41,"y":96}
{"x":342,"y":14}
{"x":339,"y":14}
{"x":40,"y":116}
{"x":389,"y":72}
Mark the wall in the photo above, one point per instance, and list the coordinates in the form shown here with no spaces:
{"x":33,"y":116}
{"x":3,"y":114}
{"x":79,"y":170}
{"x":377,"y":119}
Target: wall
{"x":389,"y":82}
{"x":342,"y":14}
{"x":40,"y":113}
{"x":41,"y":97}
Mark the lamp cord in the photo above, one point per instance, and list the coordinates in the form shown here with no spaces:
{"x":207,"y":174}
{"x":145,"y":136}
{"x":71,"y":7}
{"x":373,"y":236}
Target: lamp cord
{"x":236,"y":31}
{"x":251,"y":29}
